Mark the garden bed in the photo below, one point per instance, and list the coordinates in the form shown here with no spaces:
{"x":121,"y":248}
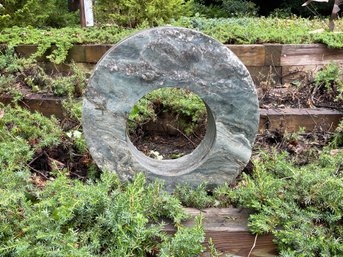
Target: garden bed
{"x":282,"y":119}
{"x":272,"y":63}
{"x":285,"y":125}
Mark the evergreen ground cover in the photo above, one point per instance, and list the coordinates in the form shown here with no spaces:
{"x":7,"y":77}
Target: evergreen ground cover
{"x":61,"y":209}
{"x":52,"y":214}
{"x":251,"y":30}
{"x":48,"y":211}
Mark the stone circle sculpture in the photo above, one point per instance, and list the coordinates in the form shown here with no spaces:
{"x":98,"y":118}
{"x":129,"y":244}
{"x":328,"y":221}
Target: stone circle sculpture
{"x":172,"y":57}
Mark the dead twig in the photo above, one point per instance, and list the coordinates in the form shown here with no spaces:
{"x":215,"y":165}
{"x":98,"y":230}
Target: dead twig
{"x":77,"y":175}
{"x":194,"y":144}
{"x":253,"y":246}
{"x":38,"y":156}
{"x":37,"y":171}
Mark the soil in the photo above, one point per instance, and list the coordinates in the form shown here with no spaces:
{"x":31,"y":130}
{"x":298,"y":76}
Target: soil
{"x":164,"y":138}
{"x":167,"y":144}
{"x":302,"y":149}
{"x":157,"y":140}
{"x":62,"y":158}
{"x":293,"y":96}
{"x":156,"y":144}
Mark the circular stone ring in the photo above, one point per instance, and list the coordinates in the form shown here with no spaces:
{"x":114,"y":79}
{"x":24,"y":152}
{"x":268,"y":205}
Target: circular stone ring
{"x":181,"y":58}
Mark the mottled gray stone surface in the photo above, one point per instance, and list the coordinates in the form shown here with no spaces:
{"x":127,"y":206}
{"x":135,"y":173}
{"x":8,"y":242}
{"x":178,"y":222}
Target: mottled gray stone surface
{"x":172,"y":57}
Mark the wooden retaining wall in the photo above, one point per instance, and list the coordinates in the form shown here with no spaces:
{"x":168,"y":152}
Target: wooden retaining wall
{"x":279,"y":63}
{"x":228,"y":229}
{"x":288,"y":119}
{"x":272,"y":62}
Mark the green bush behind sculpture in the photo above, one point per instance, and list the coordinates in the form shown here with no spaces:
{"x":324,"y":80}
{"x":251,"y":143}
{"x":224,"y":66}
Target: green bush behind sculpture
{"x":50,"y":13}
{"x":130,"y":13}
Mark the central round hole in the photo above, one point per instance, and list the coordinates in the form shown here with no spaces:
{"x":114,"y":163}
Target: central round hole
{"x":167,"y":123}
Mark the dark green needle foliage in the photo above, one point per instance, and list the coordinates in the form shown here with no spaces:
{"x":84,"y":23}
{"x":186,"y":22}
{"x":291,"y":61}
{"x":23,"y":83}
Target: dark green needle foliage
{"x":58,"y":216}
{"x":106,"y":218}
{"x":330,"y":78}
{"x":244,"y":30}
{"x":130,"y":13}
{"x":337,"y":137}
{"x":185,"y":243}
{"x":20,"y":74}
{"x":52,"y":13}
{"x":194,"y":197}
{"x":187,"y":107}
{"x":302,"y":207}
{"x":21,"y":134}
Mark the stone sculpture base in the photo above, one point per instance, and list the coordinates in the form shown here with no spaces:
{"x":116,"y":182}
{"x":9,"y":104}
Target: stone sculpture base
{"x":181,"y":58}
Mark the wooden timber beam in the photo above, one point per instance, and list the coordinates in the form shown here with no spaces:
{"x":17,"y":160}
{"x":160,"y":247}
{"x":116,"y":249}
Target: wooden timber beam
{"x":228,"y":229}
{"x":291,"y":119}
{"x":288,"y":119}
{"x":274,"y":63}
{"x":47,"y":106}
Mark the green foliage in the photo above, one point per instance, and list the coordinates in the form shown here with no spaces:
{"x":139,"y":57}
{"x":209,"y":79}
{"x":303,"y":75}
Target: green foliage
{"x":337,"y":138}
{"x":172,"y":100}
{"x":32,"y":127}
{"x":330,"y":77}
{"x":106,"y":218}
{"x":71,"y":218}
{"x":213,"y":251}
{"x":61,"y":40}
{"x":264,"y":30}
{"x":21,"y":134}
{"x":211,"y":11}
{"x":52,"y":13}
{"x":186,"y":242}
{"x":130,"y":13}
{"x":64,"y":217}
{"x":283,"y":13}
{"x":72,"y":85}
{"x":18,"y":73}
{"x":302,"y":207}
{"x":237,"y":30}
{"x":333,"y":40}
{"x":239,"y":8}
{"x":10,"y":65}
{"x":73,"y":109}
{"x":196,"y":198}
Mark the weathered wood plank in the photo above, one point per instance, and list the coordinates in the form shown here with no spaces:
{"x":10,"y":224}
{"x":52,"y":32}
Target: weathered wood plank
{"x":250,"y":55}
{"x":273,"y":54}
{"x":46,"y":106}
{"x":291,"y":120}
{"x":303,"y":73}
{"x":65,"y":68}
{"x":266,"y":74}
{"x":227,"y":227}
{"x":310,"y":54}
{"x":95,"y":52}
{"x":26,"y":50}
{"x":77,"y":54}
{"x":299,"y":73}
{"x":90,"y":53}
{"x":288,"y":119}
{"x":239,"y":244}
